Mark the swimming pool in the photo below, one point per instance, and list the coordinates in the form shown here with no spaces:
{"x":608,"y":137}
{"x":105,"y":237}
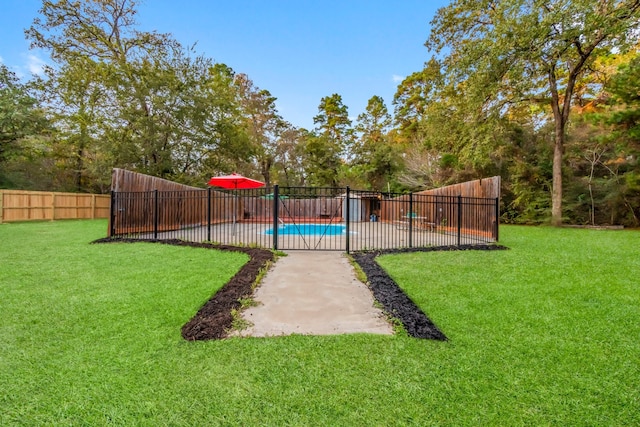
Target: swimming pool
{"x":310,"y":229}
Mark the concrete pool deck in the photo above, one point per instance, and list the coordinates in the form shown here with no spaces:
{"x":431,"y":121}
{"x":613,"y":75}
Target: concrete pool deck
{"x":313,"y":293}
{"x":363,"y":236}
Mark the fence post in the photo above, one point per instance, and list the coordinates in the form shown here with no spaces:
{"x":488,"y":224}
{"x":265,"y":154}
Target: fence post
{"x":208,"y":214}
{"x":1,"y":206}
{"x":155,"y":215}
{"x":348,"y":218}
{"x":112,"y":214}
{"x":497,"y":213}
{"x":410,"y":215}
{"x":459,"y":218}
{"x":276,"y":200}
{"x":53,"y":206}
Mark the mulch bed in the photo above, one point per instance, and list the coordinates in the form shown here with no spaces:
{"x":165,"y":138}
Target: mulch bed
{"x":214,"y":319}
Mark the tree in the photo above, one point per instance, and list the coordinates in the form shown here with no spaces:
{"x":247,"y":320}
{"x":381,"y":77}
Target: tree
{"x":624,"y":87}
{"x":374,"y":154}
{"x":226,"y":146}
{"x":264,"y":124}
{"x":413,"y":96}
{"x":326,"y":149}
{"x":22,"y":122}
{"x":511,"y":51}
{"x":95,"y":46}
{"x":154,"y":106}
{"x":625,"y":119}
{"x":289,"y":156}
{"x":321,"y":160}
{"x":334,"y":124}
{"x":19,"y":115}
{"x":78,"y":106}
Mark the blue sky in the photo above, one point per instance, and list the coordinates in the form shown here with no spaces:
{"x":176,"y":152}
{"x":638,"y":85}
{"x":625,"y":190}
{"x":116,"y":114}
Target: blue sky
{"x":299,"y":50}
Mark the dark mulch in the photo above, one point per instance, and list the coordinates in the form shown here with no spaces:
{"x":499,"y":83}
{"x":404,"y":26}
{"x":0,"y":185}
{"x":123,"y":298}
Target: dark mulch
{"x":394,"y":300}
{"x":214,"y":319}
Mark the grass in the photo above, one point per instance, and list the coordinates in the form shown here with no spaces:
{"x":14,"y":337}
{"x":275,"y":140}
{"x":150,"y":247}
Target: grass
{"x":544,"y":334}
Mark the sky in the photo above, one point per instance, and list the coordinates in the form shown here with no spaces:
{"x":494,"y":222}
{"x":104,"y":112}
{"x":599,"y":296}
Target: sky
{"x":298,"y":50}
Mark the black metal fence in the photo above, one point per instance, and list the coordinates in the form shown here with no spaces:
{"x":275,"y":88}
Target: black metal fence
{"x":304,"y":218}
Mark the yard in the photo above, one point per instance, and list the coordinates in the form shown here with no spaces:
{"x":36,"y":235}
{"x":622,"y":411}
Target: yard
{"x":545,"y":333}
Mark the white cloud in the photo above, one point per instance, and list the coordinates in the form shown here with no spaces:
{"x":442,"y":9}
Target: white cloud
{"x":396,"y":78}
{"x":35,"y":65}
{"x":1,"y":60}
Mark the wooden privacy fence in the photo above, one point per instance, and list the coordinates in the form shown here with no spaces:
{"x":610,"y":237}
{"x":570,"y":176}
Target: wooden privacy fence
{"x":480,"y":188}
{"x":471,"y":208}
{"x":21,"y":205}
{"x":123,"y":180}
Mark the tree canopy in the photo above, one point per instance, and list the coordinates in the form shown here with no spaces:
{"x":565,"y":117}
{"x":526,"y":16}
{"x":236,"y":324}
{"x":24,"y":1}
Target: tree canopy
{"x":510,"y":51}
{"x":543,"y":93}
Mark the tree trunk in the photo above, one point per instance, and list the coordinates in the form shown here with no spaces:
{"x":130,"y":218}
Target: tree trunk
{"x":82,"y":143}
{"x":265,"y":171}
{"x":560,"y":118}
{"x":561,"y":113}
{"x":556,"y":196}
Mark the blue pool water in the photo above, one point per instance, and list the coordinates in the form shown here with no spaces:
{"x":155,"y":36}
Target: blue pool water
{"x":310,"y":229}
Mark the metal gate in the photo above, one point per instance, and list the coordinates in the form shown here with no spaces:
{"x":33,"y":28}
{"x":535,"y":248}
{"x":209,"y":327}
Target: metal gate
{"x":310,"y":218}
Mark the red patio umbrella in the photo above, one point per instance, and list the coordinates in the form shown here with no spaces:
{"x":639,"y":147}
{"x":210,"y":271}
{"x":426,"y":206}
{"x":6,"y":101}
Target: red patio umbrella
{"x":235,"y":182}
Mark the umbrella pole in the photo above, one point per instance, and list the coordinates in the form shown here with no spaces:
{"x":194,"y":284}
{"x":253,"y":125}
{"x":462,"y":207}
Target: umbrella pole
{"x":233,"y":230}
{"x":235,"y":202}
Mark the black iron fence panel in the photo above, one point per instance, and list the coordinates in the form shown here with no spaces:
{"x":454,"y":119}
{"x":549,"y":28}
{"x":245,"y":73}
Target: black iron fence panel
{"x":305,"y":218}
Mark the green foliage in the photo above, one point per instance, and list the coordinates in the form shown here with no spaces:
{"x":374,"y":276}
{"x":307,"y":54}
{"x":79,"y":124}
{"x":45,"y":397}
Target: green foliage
{"x":375,"y":157}
{"x":624,"y":88}
{"x":413,"y":96}
{"x":322,"y":162}
{"x":137,"y":100}
{"x":264,"y":126}
{"x":24,"y":131}
{"x":526,"y":90}
{"x":603,"y":153}
{"x":501,"y":53}
{"x":328,"y":147}
{"x":290,"y":156}
{"x":334,"y":125}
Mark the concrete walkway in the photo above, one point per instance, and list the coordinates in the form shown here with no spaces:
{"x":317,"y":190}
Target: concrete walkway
{"x":313,"y":293}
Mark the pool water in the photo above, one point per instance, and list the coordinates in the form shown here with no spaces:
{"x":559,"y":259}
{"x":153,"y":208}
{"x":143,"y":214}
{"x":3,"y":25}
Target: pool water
{"x":310,"y":229}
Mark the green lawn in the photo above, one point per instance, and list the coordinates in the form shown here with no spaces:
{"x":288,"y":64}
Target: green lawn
{"x":546,"y":333}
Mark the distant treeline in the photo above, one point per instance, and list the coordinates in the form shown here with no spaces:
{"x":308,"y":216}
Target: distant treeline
{"x":546,"y":96}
